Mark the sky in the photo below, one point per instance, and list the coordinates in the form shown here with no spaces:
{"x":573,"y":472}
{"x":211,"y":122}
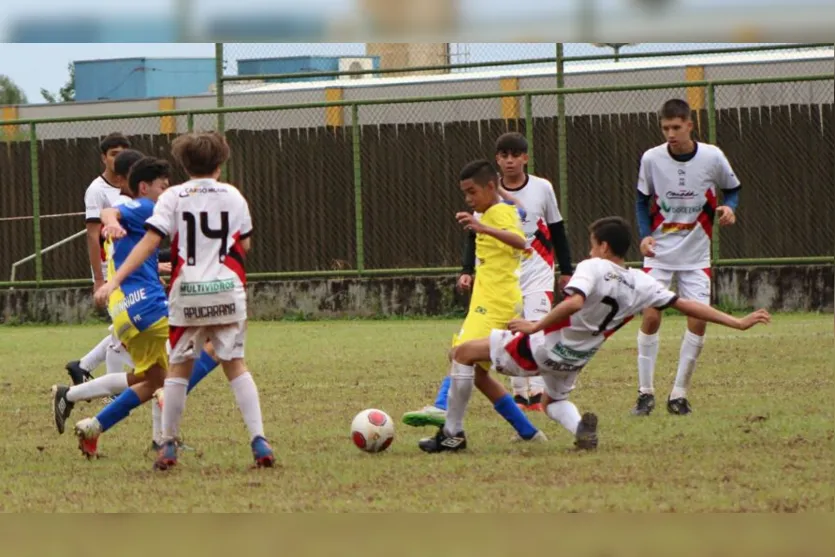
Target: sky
{"x":33,"y":66}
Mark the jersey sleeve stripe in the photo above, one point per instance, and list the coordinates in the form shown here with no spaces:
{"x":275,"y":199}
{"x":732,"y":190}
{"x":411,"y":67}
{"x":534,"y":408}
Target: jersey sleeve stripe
{"x":151,"y":228}
{"x":571,"y":290}
{"x":245,"y":235}
{"x":672,"y":300}
{"x":93,"y":220}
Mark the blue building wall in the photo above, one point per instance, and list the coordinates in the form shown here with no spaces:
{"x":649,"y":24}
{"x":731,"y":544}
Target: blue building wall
{"x":295,"y":64}
{"x":140,"y":78}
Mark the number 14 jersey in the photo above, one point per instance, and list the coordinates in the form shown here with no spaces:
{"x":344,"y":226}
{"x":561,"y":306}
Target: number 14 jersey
{"x":206,"y":220}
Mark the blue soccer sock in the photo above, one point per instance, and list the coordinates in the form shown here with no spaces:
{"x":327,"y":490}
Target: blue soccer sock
{"x":203,"y":366}
{"x":443,"y":393}
{"x":118,"y":410}
{"x":515,"y":417}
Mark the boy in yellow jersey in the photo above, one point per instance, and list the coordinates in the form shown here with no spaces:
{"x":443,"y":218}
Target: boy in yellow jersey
{"x":497,"y":296}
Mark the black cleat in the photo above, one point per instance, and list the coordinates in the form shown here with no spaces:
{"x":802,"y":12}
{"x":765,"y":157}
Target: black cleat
{"x":442,"y":442}
{"x":645,"y":405}
{"x":586,"y":436}
{"x":77,"y":373}
{"x":61,"y":407}
{"x":678,"y":406}
{"x":520,"y":401}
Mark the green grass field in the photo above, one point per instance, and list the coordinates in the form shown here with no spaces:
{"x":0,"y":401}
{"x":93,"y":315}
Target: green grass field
{"x":760,"y":438}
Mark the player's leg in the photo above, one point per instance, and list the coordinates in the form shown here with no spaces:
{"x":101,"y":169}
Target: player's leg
{"x":648,"y":350}
{"x":692,"y":285}
{"x":82,"y":370}
{"x":229,"y":342}
{"x":557,"y":406}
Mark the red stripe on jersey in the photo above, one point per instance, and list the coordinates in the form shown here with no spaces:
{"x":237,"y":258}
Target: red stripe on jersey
{"x":175,"y":334}
{"x":177,"y":263}
{"x":235,"y":258}
{"x":550,"y":298}
{"x":647,"y":269}
{"x":708,"y":272}
{"x":542,"y":243}
{"x":513,"y":348}
{"x":561,"y":325}
{"x":610,"y":332}
{"x":655,"y":213}
{"x":705,"y":218}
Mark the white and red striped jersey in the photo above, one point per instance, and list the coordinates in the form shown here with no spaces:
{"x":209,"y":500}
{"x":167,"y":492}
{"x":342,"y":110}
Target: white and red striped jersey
{"x":539,"y":201}
{"x":613,"y":296}
{"x":683,"y":204}
{"x":206,"y":220}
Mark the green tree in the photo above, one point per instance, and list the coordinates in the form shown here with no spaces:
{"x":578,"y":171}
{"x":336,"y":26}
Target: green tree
{"x":10,"y":93}
{"x":66,"y":94}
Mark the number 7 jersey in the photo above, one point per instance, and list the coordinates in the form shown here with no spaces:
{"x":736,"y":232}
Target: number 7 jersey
{"x":206,"y":220}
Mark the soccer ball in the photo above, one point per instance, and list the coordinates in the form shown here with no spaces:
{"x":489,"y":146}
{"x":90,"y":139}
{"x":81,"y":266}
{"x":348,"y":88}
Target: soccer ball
{"x":372,"y":430}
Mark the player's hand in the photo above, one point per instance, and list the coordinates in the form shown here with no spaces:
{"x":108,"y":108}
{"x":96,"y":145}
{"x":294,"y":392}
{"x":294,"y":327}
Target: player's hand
{"x":113,"y":231}
{"x":97,"y":283}
{"x":726,"y":215}
{"x":469,"y":222}
{"x":648,"y":247}
{"x":465,"y":282}
{"x":563,"y":281}
{"x":759,"y":316}
{"x":164,"y":268}
{"x":522,"y":326}
{"x":102,"y":294}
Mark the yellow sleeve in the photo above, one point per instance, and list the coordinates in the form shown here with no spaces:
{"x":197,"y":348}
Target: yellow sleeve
{"x":506,"y":218}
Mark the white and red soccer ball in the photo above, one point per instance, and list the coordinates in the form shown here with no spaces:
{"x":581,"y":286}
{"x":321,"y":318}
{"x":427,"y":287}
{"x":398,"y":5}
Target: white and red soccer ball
{"x":372,"y":430}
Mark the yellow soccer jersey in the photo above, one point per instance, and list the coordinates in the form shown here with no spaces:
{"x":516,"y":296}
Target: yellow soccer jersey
{"x":498,"y":266}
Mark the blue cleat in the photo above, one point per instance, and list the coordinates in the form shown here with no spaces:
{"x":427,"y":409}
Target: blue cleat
{"x":263,"y":453}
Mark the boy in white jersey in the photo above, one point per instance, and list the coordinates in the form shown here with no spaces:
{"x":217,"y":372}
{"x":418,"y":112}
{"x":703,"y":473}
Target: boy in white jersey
{"x":210,"y":226}
{"x":676,"y":205}
{"x":601,"y":297}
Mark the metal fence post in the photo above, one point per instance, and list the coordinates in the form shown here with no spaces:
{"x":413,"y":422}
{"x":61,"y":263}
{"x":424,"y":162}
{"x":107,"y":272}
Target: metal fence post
{"x":36,"y":201}
{"x":529,"y":134}
{"x":711,"y":138}
{"x":562,"y":145}
{"x":190,"y":122}
{"x":357,"y":161}
{"x":221,"y":117}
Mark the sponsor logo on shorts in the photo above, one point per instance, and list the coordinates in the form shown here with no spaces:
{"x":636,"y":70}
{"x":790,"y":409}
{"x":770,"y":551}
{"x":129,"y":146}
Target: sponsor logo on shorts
{"x":201,"y":312}
{"x":210,"y":287}
{"x":563,"y":352}
{"x":561,"y":366}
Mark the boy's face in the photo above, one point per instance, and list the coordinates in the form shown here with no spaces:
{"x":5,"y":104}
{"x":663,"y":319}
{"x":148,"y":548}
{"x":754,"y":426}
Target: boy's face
{"x":479,"y":198}
{"x":676,"y":130}
{"x":152,"y":190}
{"x":511,"y":163}
{"x":109,"y":158}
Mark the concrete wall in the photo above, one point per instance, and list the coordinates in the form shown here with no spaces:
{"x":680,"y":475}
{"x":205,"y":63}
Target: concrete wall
{"x":803,"y":288}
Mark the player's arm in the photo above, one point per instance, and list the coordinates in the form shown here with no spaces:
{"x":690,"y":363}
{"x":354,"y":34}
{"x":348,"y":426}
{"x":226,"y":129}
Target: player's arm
{"x":137,"y":256}
{"x":730,"y":186}
{"x":507,"y":232}
{"x":559,"y":238}
{"x":93,"y":219}
{"x":571,"y":304}
{"x":246,"y":227}
{"x":643,"y":202}
{"x":510,"y":237}
{"x":707,"y":313}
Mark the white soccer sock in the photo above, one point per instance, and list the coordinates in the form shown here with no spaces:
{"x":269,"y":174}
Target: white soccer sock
{"x":536,"y":384}
{"x":246,"y":393}
{"x":107,"y":385}
{"x":519,"y":386}
{"x":691,"y":347}
{"x":174,"y":393}
{"x":156,"y":422}
{"x":647,"y":354}
{"x":460,"y":390}
{"x":566,"y":413}
{"x":95,"y":357}
{"x":117,"y":359}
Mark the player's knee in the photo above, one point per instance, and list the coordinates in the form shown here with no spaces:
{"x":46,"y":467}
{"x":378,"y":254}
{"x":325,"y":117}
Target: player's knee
{"x":696,"y":326}
{"x":651,"y":321}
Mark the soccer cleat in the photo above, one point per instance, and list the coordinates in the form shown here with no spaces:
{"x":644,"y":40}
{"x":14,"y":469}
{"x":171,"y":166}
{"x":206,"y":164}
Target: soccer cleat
{"x":442,"y":442}
{"x":586,"y":435}
{"x":539,"y":437}
{"x":535,"y":403}
{"x":88,"y":431}
{"x":167,"y":456}
{"x":77,"y":373}
{"x":61,"y":407}
{"x":263,"y":453}
{"x":428,"y":415}
{"x":155,"y":447}
{"x":678,"y":406}
{"x":644,"y":405}
{"x":521,"y":402}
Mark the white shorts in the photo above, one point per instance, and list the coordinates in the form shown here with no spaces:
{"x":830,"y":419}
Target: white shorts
{"x":227,"y":340}
{"x":691,"y":285}
{"x":536,"y":305}
{"x":512,"y":354}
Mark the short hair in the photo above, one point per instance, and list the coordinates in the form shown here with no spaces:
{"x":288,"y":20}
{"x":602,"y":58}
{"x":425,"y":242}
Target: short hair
{"x":481,"y":172}
{"x":675,"y":108}
{"x":615,"y":232}
{"x":124,"y":160}
{"x":512,"y":142}
{"x":147,"y":169}
{"x":112,"y":141}
{"x":200,"y":154}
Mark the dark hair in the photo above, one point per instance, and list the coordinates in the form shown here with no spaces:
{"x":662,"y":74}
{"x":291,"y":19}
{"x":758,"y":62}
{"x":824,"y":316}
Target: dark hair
{"x":200,"y":153}
{"x":513,"y":143}
{"x":481,"y":172}
{"x":147,"y":169}
{"x":124,"y":160}
{"x":112,"y":141}
{"x":675,"y":108}
{"x":615,"y":232}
